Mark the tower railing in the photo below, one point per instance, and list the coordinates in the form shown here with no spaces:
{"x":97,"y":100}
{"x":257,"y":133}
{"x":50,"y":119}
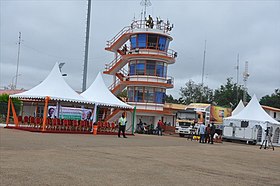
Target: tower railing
{"x":141,"y":24}
{"x":168,"y":80}
{"x":169,"y":53}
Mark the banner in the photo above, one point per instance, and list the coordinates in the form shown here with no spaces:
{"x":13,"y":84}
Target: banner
{"x":69,"y":113}
{"x":218,"y":113}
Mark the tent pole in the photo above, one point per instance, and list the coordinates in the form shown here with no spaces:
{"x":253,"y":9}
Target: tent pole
{"x":8,"y":113}
{"x":133,"y":119}
{"x":45,"y":112}
{"x":14,"y":114}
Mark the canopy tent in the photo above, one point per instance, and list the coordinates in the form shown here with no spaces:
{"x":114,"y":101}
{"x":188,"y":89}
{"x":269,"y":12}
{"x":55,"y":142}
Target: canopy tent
{"x":253,"y":112}
{"x":54,"y":88}
{"x":253,"y":121}
{"x":238,"y":108}
{"x":101,"y":95}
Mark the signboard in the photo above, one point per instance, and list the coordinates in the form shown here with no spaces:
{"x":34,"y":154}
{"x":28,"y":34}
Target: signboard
{"x":218,"y":113}
{"x":69,"y":113}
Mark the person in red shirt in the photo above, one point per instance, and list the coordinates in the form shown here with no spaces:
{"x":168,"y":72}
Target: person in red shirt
{"x":159,"y":127}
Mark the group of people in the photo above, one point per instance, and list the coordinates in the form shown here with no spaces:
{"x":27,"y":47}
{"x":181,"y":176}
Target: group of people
{"x":206,"y":133}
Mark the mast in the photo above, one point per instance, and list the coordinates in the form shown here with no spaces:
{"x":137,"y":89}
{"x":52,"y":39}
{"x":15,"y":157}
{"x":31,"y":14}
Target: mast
{"x":145,"y":3}
{"x":203,"y":69}
{"x":245,"y":78}
{"x":86,"y":48}
{"x":237,"y":79}
{"x":19,"y":42}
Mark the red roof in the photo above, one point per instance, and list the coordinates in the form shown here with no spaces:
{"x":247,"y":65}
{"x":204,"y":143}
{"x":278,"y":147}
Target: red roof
{"x":10,"y":92}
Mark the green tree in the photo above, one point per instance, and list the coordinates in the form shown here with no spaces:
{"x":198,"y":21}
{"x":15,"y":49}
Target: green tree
{"x":228,"y":95}
{"x":193,"y":92}
{"x":273,"y":100}
{"x":170,"y":99}
{"x":4,"y":98}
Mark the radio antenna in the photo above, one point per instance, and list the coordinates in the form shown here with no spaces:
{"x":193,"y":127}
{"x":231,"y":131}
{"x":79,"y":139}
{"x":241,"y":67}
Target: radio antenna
{"x":145,"y":3}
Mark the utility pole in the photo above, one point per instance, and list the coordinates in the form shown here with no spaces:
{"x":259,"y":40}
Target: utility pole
{"x":86,"y":48}
{"x":203,"y":69}
{"x":19,"y":42}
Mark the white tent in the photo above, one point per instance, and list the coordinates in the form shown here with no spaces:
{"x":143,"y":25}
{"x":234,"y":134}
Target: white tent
{"x":101,"y":95}
{"x":254,"y":120}
{"x":55,"y":87}
{"x":238,"y":108}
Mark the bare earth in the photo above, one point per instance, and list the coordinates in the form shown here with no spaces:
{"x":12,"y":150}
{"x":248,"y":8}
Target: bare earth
{"x":70,"y":159}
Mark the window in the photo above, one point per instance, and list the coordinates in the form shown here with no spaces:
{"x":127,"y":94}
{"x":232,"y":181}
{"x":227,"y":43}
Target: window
{"x":161,"y":43}
{"x":150,"y":68}
{"x":142,"y":40}
{"x":130,"y":93}
{"x":160,"y":95}
{"x":133,"y":41}
{"x":140,"y":68}
{"x":149,"y":95}
{"x":167,"y":44}
{"x":152,"y":41}
{"x":159,"y":70}
{"x":138,"y":94}
{"x":132,"y":68}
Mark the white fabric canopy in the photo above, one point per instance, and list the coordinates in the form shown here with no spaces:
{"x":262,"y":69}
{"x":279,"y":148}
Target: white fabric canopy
{"x":101,"y":95}
{"x":55,"y":87}
{"x":238,"y":108}
{"x":254,"y":112}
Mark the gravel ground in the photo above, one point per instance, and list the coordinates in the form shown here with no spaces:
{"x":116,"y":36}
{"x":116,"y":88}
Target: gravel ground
{"x":71,"y":159}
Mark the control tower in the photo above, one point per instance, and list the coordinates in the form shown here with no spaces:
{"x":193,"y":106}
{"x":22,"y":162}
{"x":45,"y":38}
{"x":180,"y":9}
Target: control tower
{"x":140,"y":66}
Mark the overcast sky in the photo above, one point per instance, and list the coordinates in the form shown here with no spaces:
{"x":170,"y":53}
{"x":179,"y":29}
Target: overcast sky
{"x":54,"y":31}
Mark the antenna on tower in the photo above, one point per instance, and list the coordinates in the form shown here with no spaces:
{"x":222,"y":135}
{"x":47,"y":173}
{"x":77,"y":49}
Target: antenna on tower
{"x":245,"y":78}
{"x":145,"y":3}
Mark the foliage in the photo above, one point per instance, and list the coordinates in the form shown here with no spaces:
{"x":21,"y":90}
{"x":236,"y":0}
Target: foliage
{"x":229,"y":95}
{"x":170,"y":99}
{"x":123,"y":94}
{"x":193,"y":92}
{"x":273,"y":100}
{"x":4,"y":98}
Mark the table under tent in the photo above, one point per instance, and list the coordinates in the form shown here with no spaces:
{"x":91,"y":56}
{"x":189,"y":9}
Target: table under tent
{"x":250,"y":125}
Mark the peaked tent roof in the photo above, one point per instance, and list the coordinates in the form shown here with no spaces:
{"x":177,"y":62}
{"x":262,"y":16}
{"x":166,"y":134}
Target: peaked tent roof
{"x":253,"y":111}
{"x":55,"y":87}
{"x":101,"y":95}
{"x":238,"y":108}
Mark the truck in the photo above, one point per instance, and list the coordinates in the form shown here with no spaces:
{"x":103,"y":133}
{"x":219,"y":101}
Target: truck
{"x":186,"y":123}
{"x":188,"y":120}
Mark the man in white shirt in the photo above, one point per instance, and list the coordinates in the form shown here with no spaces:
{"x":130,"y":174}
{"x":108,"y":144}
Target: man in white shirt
{"x":122,"y":124}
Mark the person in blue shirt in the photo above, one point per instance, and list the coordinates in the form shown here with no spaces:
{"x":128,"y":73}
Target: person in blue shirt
{"x":201,"y":132}
{"x":122,"y":125}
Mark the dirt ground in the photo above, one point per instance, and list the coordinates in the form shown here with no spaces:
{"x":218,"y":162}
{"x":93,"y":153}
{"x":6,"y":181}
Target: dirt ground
{"x":71,"y":159}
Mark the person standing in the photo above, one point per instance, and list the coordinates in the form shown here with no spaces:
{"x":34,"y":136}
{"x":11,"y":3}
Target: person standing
{"x":212,"y":133}
{"x":159,"y":127}
{"x":201,"y":132}
{"x":122,"y":125}
{"x":207,"y":133}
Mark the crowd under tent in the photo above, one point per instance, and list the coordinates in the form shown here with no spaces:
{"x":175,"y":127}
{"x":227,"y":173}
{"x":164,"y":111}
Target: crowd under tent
{"x":250,"y":125}
{"x":238,"y":108}
{"x":53,"y":90}
{"x":98,"y":93}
